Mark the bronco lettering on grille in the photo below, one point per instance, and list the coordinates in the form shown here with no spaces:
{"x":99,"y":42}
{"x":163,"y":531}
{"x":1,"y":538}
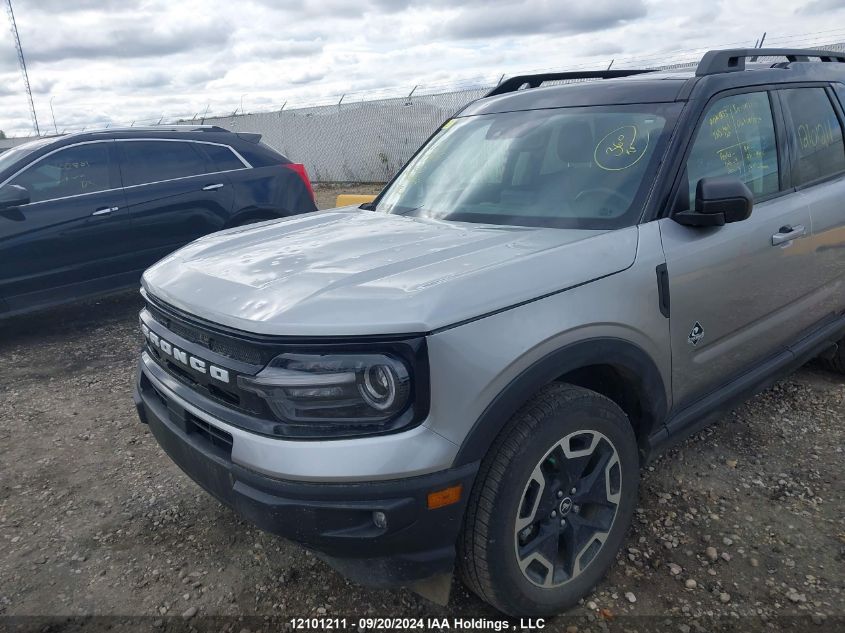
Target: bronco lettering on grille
{"x":193,"y":362}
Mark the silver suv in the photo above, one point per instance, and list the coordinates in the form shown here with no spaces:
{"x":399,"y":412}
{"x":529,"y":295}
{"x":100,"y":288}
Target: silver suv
{"x":470,"y":371}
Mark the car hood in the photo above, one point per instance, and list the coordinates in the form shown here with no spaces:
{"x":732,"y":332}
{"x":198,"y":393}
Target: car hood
{"x":350,"y":272}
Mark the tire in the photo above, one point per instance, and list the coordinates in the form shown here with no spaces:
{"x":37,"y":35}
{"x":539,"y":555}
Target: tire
{"x":836,"y":362}
{"x":508,"y":509}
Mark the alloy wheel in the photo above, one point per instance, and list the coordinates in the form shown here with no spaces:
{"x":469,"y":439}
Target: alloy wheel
{"x":567,"y":508}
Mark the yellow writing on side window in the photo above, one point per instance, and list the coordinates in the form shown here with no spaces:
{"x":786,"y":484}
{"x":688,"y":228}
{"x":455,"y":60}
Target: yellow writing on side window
{"x":813,"y":136}
{"x":729,"y":120}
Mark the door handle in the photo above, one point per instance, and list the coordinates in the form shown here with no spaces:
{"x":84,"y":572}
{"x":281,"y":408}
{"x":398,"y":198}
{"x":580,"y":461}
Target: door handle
{"x":105,"y":210}
{"x":788,"y":233}
{"x":213,"y":187}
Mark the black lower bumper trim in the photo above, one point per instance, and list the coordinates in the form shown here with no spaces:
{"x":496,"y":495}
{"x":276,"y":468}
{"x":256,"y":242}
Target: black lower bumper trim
{"x":335,"y":519}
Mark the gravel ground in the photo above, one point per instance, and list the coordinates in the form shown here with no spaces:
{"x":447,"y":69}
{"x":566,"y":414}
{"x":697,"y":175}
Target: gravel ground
{"x":742,"y":525}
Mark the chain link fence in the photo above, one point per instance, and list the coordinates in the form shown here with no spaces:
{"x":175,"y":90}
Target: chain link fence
{"x":366,"y":141}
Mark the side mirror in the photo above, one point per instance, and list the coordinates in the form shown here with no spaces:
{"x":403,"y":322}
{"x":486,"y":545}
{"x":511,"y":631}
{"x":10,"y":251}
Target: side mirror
{"x":718,"y":201}
{"x":13,"y":196}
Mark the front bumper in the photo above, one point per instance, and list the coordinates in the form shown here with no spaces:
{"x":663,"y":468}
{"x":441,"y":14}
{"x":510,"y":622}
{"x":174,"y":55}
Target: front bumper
{"x":334,"y":519}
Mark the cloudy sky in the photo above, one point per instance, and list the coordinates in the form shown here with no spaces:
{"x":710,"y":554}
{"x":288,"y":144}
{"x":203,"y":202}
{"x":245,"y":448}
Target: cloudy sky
{"x":119,"y":61}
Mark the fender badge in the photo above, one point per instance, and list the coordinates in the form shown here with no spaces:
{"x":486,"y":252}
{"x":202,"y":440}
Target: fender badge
{"x":696,"y":334}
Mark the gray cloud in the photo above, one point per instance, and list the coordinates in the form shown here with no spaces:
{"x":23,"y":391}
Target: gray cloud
{"x":278,"y":49}
{"x":8,"y":59}
{"x":603,"y":48}
{"x":547,"y":17}
{"x":155,"y":79}
{"x":307,"y":78}
{"x":8,"y":90}
{"x":125,"y":41}
{"x":42,"y":85}
{"x":319,"y":8}
{"x":820,"y":5}
{"x":68,"y":6}
{"x":202,"y":75}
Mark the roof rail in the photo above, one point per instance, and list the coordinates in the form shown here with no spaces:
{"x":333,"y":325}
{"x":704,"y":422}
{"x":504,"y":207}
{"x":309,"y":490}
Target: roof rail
{"x":163,"y":128}
{"x":512,"y":84}
{"x":733,"y":59}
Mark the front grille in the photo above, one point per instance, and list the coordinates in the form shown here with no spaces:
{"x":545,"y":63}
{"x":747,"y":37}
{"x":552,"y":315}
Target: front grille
{"x":216,"y":342}
{"x":232,"y":397}
{"x":192,"y":425}
{"x":214,"y":436}
{"x":222,"y":344}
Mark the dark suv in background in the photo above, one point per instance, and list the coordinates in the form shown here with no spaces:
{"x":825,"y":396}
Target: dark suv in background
{"x":86,"y":213}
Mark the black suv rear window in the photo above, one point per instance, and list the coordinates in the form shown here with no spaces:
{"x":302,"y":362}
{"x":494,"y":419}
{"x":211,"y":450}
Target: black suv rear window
{"x":222,"y":158}
{"x":154,"y":161}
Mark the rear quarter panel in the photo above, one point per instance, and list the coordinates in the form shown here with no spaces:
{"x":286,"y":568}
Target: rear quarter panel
{"x":272,"y":191}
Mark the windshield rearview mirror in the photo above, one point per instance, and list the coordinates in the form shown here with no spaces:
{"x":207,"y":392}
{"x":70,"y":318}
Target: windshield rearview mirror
{"x":718,"y":201}
{"x":13,"y":196}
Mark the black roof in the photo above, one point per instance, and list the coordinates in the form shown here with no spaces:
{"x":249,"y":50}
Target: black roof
{"x":211,"y":133}
{"x":586,"y":93}
{"x":246,"y":144}
{"x":718,"y":70}
{"x":208,"y":133}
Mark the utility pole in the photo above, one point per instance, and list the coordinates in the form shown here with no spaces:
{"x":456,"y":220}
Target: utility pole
{"x":53,"y":114}
{"x":22,"y":63}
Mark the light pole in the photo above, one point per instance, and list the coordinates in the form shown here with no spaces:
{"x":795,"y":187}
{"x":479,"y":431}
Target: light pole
{"x":53,"y":114}
{"x":242,"y":101}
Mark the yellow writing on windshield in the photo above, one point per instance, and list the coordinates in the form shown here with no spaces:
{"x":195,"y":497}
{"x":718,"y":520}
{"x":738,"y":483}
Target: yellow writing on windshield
{"x":620,"y":149}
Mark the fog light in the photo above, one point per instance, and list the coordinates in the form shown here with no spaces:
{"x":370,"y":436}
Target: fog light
{"x":380,"y":519}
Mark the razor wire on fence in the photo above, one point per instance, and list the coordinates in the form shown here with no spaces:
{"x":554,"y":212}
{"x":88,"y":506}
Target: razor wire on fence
{"x":356,"y":142}
{"x":368,"y":140}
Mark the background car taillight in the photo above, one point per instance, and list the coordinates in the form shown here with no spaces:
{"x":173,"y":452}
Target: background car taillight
{"x":300,"y":171}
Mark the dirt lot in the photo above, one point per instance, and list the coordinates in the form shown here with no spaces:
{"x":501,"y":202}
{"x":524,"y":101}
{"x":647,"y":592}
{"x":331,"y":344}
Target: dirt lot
{"x":741,"y":526}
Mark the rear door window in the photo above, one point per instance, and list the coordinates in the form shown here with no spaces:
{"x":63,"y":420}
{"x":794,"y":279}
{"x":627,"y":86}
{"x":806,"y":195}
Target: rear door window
{"x":816,"y":134}
{"x":221,"y":158}
{"x":69,"y":172}
{"x":737,"y":138}
{"x":154,"y":161}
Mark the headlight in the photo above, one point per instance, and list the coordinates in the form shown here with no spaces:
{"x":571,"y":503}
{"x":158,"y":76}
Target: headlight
{"x":334,"y":389}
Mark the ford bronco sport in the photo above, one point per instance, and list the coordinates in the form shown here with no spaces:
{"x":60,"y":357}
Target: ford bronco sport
{"x":469,"y":372}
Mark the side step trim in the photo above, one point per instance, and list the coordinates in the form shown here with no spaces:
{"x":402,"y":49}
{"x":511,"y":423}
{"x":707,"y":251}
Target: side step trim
{"x":701,"y":413}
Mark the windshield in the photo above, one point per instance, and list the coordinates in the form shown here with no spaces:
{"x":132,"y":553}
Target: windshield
{"x":11,"y":156}
{"x":584,"y":168}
